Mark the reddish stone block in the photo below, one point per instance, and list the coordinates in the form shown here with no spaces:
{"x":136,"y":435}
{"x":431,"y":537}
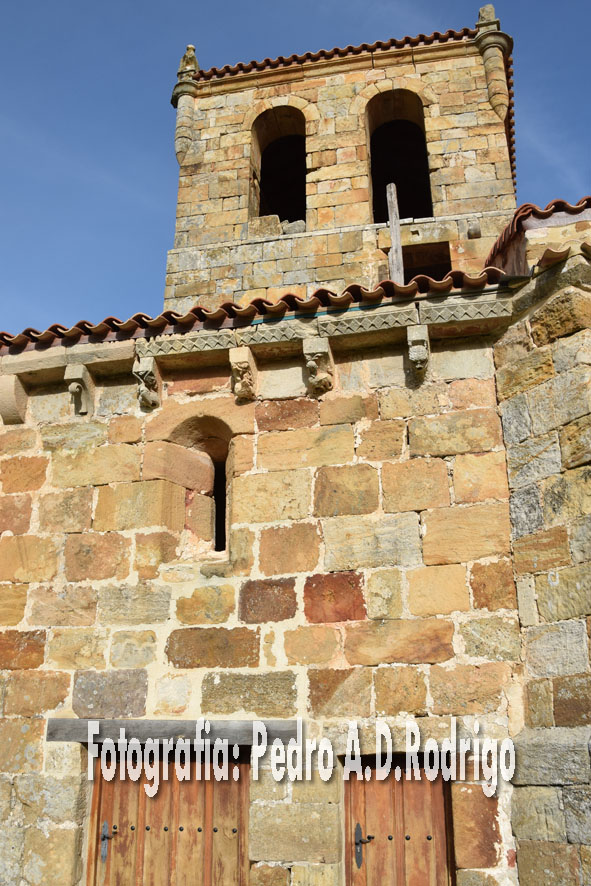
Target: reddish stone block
{"x":340,"y":693}
{"x":286,"y":415}
{"x":93,"y":556}
{"x":476,"y":827}
{"x":493,"y":586}
{"x":23,"y":473}
{"x":272,"y":599}
{"x":289,"y":549}
{"x":21,"y":649}
{"x":15,"y":514}
{"x":213,"y":648}
{"x":333,"y":597}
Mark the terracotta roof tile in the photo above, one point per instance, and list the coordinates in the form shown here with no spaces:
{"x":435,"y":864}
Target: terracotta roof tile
{"x":526,"y":211}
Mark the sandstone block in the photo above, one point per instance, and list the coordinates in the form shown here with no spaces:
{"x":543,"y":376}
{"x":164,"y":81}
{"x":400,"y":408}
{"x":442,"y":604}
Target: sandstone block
{"x":468,"y":392}
{"x":297,"y":832}
{"x":21,"y":745}
{"x":15,"y":514}
{"x":525,"y":506}
{"x":213,"y":648}
{"x":133,"y":605}
{"x":53,"y":857}
{"x":306,"y":447}
{"x":73,"y":435}
{"x":21,"y":649}
{"x":565,"y":593}
{"x":334,"y":597}
{"x":133,"y":649}
{"x":468,"y":689}
{"x":289,"y":549}
{"x":340,"y":693}
{"x":240,"y":455}
{"x":69,"y":511}
{"x":493,"y":638}
{"x":400,"y":689}
{"x":93,"y":556}
{"x":264,"y":498}
{"x":382,"y":440}
{"x":528,"y":371}
{"x":285,"y":415}
{"x":311,"y":644}
{"x":207,"y":605}
{"x":476,"y":827}
{"x":515,"y":419}
{"x":70,"y":605}
{"x":189,"y":423}
{"x":353,"y":542}
{"x":58,"y":799}
{"x":137,"y":505}
{"x":575,"y":442}
{"x":77,"y":648}
{"x":415,"y":485}
{"x":552,"y":756}
{"x":151,"y":550}
{"x":536,"y":814}
{"x":403,"y":402}
{"x":96,"y":467}
{"x":580,"y":539}
{"x":185,"y":467}
{"x":567,"y":496}
{"x":461,"y":360}
{"x":342,"y":410}
{"x":352,"y":489}
{"x":173,"y":694}
{"x":542,"y":550}
{"x":411,"y":641}
{"x":31,"y":693}
{"x":438,"y":590}
{"x":265,"y":600}
{"x":13,"y":599}
{"x":120,"y":693}
{"x":383,"y":595}
{"x":26,"y":558}
{"x":572,"y":700}
{"x":456,"y":535}
{"x":479,"y":477}
{"x":23,"y":473}
{"x":572,"y":351}
{"x":560,"y":400}
{"x":553,"y":864}
{"x":125,"y":429}
{"x":493,"y":586}
{"x":453,"y":433}
{"x":538,"y":703}
{"x":577,"y":812}
{"x":533,"y":460}
{"x":200,"y":516}
{"x":13,"y":440}
{"x":260,"y":695}
{"x":557,"y":649}
{"x":267,"y":875}
{"x":564,"y":314}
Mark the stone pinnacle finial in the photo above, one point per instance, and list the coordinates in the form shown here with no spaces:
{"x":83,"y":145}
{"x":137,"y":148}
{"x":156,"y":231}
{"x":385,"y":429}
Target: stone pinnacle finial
{"x":185,"y":84}
{"x":188,"y":64}
{"x":486,"y":13}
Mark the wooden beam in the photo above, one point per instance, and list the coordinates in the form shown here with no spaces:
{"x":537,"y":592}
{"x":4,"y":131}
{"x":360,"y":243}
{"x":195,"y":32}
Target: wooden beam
{"x":234,"y":731}
{"x":395,"y":264}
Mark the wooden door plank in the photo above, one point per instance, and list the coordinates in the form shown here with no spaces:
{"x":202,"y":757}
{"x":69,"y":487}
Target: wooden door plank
{"x":226,"y":815}
{"x":94,"y":827}
{"x":190,"y":871}
{"x":140,"y":832}
{"x":377,"y":823}
{"x":439,"y":832}
{"x":244,"y":809}
{"x":207,"y":832}
{"x":157,"y":843}
{"x":122,"y":846}
{"x":417,"y":822}
{"x":398,"y":831}
{"x":357,"y":801}
{"x":103,"y":877}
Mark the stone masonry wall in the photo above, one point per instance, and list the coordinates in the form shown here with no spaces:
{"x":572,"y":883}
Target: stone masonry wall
{"x":368,"y":574}
{"x":217,"y":253}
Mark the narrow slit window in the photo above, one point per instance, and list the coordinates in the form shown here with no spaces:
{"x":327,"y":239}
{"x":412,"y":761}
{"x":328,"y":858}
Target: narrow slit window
{"x":220,"y":500}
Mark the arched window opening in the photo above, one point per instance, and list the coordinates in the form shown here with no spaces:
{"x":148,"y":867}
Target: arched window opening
{"x":398,"y":152}
{"x":278,"y":164}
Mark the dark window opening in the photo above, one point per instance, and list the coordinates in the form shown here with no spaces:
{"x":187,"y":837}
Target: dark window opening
{"x":432,"y":259}
{"x":219,"y":498}
{"x":399,"y":155}
{"x":283,"y":178}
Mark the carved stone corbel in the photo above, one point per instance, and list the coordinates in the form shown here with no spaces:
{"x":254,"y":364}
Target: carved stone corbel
{"x":13,"y":400}
{"x":319,"y":365}
{"x":244,"y":373}
{"x":418,"y":347}
{"x":81,"y":388}
{"x":146,"y":371}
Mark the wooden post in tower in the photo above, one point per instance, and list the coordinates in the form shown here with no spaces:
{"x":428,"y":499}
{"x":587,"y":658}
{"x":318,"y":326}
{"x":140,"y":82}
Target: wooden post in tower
{"x":395,"y":266}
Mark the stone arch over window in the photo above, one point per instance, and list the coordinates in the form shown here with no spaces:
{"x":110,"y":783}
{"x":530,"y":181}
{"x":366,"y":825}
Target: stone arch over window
{"x":278,"y":164}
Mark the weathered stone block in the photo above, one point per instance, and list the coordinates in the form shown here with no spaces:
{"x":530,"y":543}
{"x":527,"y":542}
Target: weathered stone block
{"x":264,"y":498}
{"x":400,"y":689}
{"x":404,"y":402}
{"x":563,"y":314}
{"x":269,"y":875}
{"x":334,"y":597}
{"x":342,"y":410}
{"x":21,"y":745}
{"x":476,"y":828}
{"x":21,"y":649}
{"x":493,"y":638}
{"x":125,"y":429}
{"x":580,"y":540}
{"x":382,"y":440}
{"x":552,"y":756}
{"x":538,"y":703}
{"x":213,"y":648}
{"x":577,"y":812}
{"x":340,"y":693}
{"x":468,"y":689}
{"x":493,"y":586}
{"x":564,"y":593}
{"x":120,"y":693}
{"x":69,"y":511}
{"x":567,"y":496}
{"x":528,"y":371}
{"x":479,"y":477}
{"x":173,"y":693}
{"x":289,"y":549}
{"x":542,"y":550}
{"x":13,"y":440}
{"x":73,"y":435}
{"x":533,"y":460}
{"x":23,"y":473}
{"x":467,"y":392}
{"x":13,"y":600}
{"x":133,"y":649}
{"x":208,"y":605}
{"x":515,"y":419}
{"x":138,"y":505}
{"x":285,"y":415}
{"x":188,"y":423}
{"x":557,"y":649}
{"x":575,"y":442}
{"x":525,"y":506}
{"x":58,"y":799}
{"x":307,"y":447}
{"x":572,"y":700}
{"x":415,"y":485}
{"x":27,"y":558}
{"x":184,"y":467}
{"x":560,"y":400}
{"x":96,"y":467}
{"x":553,"y":864}
{"x":456,"y":535}
{"x":265,"y":600}
{"x":409,"y":641}
{"x":311,"y":644}
{"x":260,"y":695}
{"x":383,"y":595}
{"x":30,"y":693}
{"x":77,"y":648}
{"x":140,"y":604}
{"x":453,"y":433}
{"x":15,"y":514}
{"x":52,"y":858}
{"x":200,"y":516}
{"x":536,"y":814}
{"x":352,"y":489}
{"x":353,"y":542}
{"x":438,"y":590}
{"x":295,"y":832}
{"x":93,"y":556}
{"x":151,"y":550}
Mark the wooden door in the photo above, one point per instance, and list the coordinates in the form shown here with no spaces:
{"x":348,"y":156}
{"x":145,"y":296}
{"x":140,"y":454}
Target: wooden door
{"x":192,"y":833}
{"x":397,"y":832}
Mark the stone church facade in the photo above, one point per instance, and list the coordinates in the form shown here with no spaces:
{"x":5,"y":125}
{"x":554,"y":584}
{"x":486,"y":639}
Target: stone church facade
{"x":308,"y":491}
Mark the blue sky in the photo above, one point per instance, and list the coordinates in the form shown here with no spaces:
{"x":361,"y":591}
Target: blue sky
{"x":88,"y":175}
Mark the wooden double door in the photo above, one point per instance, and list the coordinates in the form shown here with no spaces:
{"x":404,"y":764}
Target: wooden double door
{"x":191,"y":833}
{"x":398,"y":833}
